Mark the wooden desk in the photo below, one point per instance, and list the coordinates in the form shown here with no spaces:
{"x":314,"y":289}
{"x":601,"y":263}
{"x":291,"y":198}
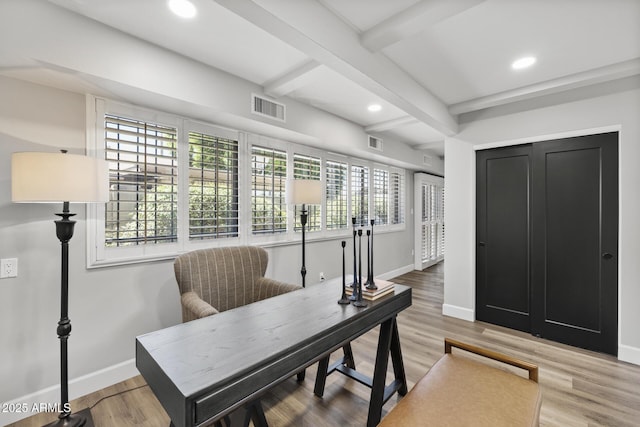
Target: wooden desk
{"x":204,"y":369}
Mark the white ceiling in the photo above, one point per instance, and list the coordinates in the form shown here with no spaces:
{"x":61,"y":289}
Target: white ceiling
{"x":423,"y":61}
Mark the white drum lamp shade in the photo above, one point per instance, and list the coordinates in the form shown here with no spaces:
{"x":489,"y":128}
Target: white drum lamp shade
{"x":304,"y":192}
{"x":58,"y":177}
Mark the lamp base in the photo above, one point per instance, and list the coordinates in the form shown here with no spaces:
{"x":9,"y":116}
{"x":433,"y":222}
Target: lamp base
{"x":78,"y":419}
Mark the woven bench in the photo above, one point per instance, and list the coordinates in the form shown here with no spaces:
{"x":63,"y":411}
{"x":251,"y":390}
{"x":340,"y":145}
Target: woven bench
{"x":459,"y":391}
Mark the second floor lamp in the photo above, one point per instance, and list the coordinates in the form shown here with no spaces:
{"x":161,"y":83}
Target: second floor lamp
{"x":304,"y":192}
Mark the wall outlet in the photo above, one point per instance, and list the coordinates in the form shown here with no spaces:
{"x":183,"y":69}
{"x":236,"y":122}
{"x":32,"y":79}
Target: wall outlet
{"x":321,"y":276}
{"x":8,"y":268}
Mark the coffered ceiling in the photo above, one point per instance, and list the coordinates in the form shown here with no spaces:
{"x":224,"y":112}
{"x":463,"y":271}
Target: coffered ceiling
{"x":424,"y":62}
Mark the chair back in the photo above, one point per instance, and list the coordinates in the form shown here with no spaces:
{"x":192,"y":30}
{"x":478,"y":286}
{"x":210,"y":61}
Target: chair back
{"x":223,"y":277}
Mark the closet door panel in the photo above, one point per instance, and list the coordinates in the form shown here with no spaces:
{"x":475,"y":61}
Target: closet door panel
{"x":503,"y":237}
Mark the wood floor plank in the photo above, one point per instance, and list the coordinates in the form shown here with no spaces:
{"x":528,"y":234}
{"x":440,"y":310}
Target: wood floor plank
{"x":580,"y":388}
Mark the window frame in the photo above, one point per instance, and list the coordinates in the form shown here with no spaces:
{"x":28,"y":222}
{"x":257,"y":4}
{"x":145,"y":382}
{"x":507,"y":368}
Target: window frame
{"x":98,"y":255}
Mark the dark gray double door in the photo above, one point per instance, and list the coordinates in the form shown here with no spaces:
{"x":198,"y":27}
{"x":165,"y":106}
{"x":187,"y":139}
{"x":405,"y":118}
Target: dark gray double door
{"x":547,"y":238}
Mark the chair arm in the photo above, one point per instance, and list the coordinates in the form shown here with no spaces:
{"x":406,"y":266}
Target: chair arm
{"x":267,"y":288}
{"x":196,"y":306}
{"x":530,"y":367}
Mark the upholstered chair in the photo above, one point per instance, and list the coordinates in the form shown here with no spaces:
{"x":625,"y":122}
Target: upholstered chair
{"x":218,"y":279}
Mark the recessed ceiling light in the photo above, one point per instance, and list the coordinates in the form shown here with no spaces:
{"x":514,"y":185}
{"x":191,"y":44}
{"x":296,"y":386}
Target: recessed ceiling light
{"x":374,"y":107}
{"x":525,"y":62}
{"x":182,"y":8}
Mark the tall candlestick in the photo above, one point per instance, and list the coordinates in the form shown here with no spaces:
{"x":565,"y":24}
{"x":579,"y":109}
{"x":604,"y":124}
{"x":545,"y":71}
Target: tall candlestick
{"x":359,"y":302}
{"x":371,"y":284}
{"x":343,"y":299}
{"x":354,"y":284}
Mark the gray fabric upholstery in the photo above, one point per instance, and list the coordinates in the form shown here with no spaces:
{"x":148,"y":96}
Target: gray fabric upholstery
{"x":218,"y":279}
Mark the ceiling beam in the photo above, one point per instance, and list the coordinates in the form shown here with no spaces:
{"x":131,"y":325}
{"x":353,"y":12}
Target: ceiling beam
{"x":573,"y":81}
{"x":294,"y":79}
{"x":312,"y":29}
{"x":391,"y":124}
{"x":428,"y":145}
{"x":411,"y":21}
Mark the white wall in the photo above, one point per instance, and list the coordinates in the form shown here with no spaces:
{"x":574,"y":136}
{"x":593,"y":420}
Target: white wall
{"x":618,"y":111}
{"x":116,"y":65}
{"x":109,"y":306}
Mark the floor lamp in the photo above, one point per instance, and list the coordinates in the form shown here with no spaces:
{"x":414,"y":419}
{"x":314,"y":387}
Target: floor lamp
{"x":304,"y":192}
{"x":61,"y":178}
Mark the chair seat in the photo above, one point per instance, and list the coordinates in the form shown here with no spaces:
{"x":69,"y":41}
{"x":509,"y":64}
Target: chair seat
{"x":458,"y":391}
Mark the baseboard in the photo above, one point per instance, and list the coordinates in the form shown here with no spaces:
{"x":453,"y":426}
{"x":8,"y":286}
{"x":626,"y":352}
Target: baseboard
{"x":395,"y":273}
{"x":629,"y":354}
{"x":458,"y":312}
{"x":78,"y":387}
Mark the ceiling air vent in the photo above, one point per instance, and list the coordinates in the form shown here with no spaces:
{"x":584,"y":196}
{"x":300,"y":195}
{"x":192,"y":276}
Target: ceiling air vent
{"x":374,"y":143}
{"x":267,"y":108}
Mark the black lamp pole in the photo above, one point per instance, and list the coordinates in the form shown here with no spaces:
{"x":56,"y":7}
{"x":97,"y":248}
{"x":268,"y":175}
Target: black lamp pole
{"x":303,"y":222}
{"x":64,"y":231}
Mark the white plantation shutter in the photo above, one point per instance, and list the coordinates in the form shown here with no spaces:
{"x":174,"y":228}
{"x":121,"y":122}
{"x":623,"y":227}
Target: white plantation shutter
{"x":432,"y":205}
{"x":268,"y":178}
{"x":381,"y":196}
{"x":307,"y":167}
{"x":336,"y":195}
{"x":396,"y":196}
{"x":360,"y":193}
{"x":213,"y":187}
{"x":143,"y":179}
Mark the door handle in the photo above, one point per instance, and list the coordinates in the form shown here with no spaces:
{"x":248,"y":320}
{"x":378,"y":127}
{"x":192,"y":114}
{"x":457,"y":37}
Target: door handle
{"x":482,"y":244}
{"x":607,"y":255}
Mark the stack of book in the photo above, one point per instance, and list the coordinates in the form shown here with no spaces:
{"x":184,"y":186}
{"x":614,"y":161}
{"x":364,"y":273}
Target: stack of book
{"x":384,"y":287}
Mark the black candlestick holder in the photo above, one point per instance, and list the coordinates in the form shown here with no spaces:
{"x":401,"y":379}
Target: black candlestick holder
{"x":371,"y":284}
{"x":354,"y":284}
{"x":343,"y":299}
{"x":359,"y":302}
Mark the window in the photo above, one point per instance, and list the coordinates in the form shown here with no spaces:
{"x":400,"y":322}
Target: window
{"x":432,"y":221}
{"x":360,"y":194}
{"x":380,"y":196}
{"x":336,"y":195}
{"x":143,"y":180}
{"x":213,"y":187}
{"x":268,"y":177}
{"x":396,"y":196}
{"x":307,"y":167}
{"x":177,"y":185}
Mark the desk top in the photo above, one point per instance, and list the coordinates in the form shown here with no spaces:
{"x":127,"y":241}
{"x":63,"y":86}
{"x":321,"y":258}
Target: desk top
{"x":207,"y":367}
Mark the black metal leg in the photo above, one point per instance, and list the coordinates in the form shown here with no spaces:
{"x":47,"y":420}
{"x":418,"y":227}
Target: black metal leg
{"x":396,"y":359}
{"x":321,"y":377}
{"x":301,"y":375}
{"x":380,"y":373}
{"x":255,"y":413}
{"x":348,"y":356}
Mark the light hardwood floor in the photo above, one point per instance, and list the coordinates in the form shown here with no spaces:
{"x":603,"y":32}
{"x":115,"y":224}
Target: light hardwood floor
{"x":580,"y":388}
